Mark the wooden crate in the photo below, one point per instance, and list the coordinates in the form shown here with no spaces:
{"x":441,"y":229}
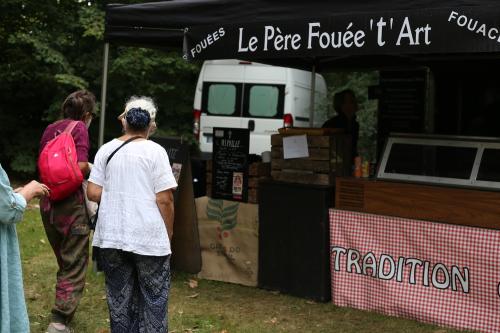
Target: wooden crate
{"x":329,"y":157}
{"x":256,"y":172}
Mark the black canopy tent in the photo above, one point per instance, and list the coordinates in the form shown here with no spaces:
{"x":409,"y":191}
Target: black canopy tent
{"x":312,"y":34}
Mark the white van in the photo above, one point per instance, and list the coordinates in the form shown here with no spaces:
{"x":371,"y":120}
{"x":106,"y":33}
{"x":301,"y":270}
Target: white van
{"x":262,"y":98}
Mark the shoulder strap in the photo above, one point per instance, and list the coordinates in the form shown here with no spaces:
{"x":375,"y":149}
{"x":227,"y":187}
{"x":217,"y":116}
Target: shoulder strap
{"x":70,"y":126}
{"x":123,"y":144}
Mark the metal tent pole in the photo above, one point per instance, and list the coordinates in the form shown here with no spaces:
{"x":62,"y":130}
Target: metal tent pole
{"x":313,"y":95}
{"x":103,"y":94}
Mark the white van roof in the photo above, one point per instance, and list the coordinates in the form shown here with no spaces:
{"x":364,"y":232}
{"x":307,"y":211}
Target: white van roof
{"x":232,"y":62}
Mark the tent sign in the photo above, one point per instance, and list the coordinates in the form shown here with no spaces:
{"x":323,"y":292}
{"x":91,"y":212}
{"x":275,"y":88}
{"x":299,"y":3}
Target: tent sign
{"x":427,"y":31}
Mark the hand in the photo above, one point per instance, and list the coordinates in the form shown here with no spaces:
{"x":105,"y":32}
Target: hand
{"x":33,"y":189}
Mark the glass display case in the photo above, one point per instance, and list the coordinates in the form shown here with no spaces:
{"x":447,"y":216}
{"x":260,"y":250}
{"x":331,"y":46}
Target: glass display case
{"x":435,"y":159}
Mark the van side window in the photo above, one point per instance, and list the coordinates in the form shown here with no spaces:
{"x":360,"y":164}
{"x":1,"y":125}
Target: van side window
{"x":264,"y":101}
{"x":221,"y":98}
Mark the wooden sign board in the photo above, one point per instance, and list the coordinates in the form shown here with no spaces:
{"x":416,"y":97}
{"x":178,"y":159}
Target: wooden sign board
{"x":186,"y":253}
{"x":178,"y":154}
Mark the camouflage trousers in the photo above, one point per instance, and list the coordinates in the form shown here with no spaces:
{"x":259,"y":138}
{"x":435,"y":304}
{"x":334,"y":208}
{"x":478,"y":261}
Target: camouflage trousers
{"x":67,"y":229}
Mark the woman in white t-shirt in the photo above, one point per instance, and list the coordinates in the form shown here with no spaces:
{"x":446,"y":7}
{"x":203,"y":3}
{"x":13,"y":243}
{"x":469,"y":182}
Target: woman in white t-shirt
{"x":135,"y":222}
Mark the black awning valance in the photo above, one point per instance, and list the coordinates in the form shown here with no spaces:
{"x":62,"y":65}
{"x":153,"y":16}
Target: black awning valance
{"x":301,"y":33}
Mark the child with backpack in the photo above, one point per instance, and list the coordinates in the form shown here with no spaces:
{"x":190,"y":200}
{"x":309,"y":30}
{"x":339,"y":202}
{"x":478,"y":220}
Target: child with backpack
{"x":63,"y":163}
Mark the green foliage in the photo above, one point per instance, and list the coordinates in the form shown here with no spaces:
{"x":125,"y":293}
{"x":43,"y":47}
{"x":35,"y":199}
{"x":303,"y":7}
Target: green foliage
{"x":71,"y":80}
{"x":38,"y":50}
{"x":42,"y":51}
{"x":165,"y":77}
{"x":50,"y":48}
{"x":92,"y":20}
{"x":24,"y":163}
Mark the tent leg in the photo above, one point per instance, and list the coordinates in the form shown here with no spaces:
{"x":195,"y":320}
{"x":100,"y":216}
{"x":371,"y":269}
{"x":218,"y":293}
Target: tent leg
{"x":313,"y":94}
{"x":104,"y":88}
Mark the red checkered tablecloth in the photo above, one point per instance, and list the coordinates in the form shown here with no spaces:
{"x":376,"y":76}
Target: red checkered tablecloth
{"x":453,"y":259}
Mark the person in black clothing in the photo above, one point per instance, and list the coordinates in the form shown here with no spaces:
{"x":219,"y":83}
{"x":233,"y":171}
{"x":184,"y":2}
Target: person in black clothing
{"x":346,"y":106}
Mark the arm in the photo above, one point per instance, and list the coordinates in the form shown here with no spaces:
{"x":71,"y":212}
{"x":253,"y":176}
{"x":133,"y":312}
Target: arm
{"x":165,"y":202}
{"x":33,"y":189}
{"x":84,"y":168}
{"x":94,"y":192}
{"x":13,"y":202}
{"x":96,"y":178}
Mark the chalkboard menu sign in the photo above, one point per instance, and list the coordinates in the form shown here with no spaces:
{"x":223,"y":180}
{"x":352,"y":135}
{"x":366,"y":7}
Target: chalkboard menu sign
{"x":230,"y":164}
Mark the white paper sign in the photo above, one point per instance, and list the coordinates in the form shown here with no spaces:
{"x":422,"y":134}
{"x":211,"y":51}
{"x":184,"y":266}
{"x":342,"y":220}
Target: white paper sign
{"x":295,"y":146}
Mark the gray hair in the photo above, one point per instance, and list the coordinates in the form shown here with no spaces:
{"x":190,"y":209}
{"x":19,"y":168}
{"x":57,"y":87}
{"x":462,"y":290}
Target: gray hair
{"x":142,"y":102}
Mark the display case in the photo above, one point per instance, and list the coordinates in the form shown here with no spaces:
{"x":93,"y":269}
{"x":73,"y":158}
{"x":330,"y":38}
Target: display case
{"x":449,"y":160}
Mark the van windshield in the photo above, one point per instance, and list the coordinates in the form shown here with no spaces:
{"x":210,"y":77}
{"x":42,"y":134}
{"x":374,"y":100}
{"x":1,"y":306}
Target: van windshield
{"x":221,"y":99}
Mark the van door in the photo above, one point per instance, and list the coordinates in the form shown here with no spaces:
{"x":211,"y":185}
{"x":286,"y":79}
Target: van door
{"x":262,"y":113}
{"x":221,"y":106}
{"x":256,"y":106}
{"x":263,"y":104}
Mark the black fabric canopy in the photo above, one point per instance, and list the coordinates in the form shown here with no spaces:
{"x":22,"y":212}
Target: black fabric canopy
{"x":302,"y":33}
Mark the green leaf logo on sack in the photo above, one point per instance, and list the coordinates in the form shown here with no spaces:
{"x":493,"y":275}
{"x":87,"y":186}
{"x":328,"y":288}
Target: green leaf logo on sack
{"x":225,"y":215}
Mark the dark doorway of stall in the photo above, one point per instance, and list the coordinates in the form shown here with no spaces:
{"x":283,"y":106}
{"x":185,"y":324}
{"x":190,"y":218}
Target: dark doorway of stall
{"x":467,"y":99}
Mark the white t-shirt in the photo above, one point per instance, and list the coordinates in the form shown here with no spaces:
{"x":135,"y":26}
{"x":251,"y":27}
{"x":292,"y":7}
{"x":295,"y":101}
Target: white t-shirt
{"x":129,"y":218}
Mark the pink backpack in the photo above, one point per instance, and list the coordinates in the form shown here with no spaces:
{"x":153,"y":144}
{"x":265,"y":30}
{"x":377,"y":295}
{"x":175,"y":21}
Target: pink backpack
{"x":58,"y":165}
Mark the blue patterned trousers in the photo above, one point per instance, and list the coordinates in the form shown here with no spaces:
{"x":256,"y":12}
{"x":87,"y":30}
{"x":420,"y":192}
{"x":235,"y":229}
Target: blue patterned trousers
{"x":137,"y":289}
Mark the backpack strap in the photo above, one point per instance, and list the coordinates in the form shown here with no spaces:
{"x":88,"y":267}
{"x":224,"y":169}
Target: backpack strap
{"x":123,"y":144}
{"x":93,"y":221}
{"x":70,"y":126}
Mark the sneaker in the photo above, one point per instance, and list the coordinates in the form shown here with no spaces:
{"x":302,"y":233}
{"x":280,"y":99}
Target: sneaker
{"x":53,"y":329}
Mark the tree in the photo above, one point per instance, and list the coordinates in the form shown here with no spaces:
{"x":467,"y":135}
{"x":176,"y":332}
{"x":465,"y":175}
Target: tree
{"x":39,"y":46}
{"x":51,"y":48}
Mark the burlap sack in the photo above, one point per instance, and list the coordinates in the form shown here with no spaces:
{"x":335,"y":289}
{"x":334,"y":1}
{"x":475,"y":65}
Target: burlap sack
{"x":229,"y":239}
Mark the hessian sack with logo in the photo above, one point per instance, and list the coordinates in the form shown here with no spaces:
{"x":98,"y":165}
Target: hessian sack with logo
{"x":58,"y":165}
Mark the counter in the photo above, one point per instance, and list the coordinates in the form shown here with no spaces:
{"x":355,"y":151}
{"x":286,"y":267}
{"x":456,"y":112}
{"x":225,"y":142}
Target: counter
{"x":424,"y":252}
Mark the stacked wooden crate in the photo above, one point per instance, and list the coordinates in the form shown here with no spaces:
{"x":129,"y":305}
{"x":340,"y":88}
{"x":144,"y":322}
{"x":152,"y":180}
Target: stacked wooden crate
{"x":329,"y":156}
{"x":256,"y":172}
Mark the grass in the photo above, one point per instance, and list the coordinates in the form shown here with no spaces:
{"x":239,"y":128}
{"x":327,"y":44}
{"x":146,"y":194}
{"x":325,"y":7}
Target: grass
{"x":195,"y":305}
